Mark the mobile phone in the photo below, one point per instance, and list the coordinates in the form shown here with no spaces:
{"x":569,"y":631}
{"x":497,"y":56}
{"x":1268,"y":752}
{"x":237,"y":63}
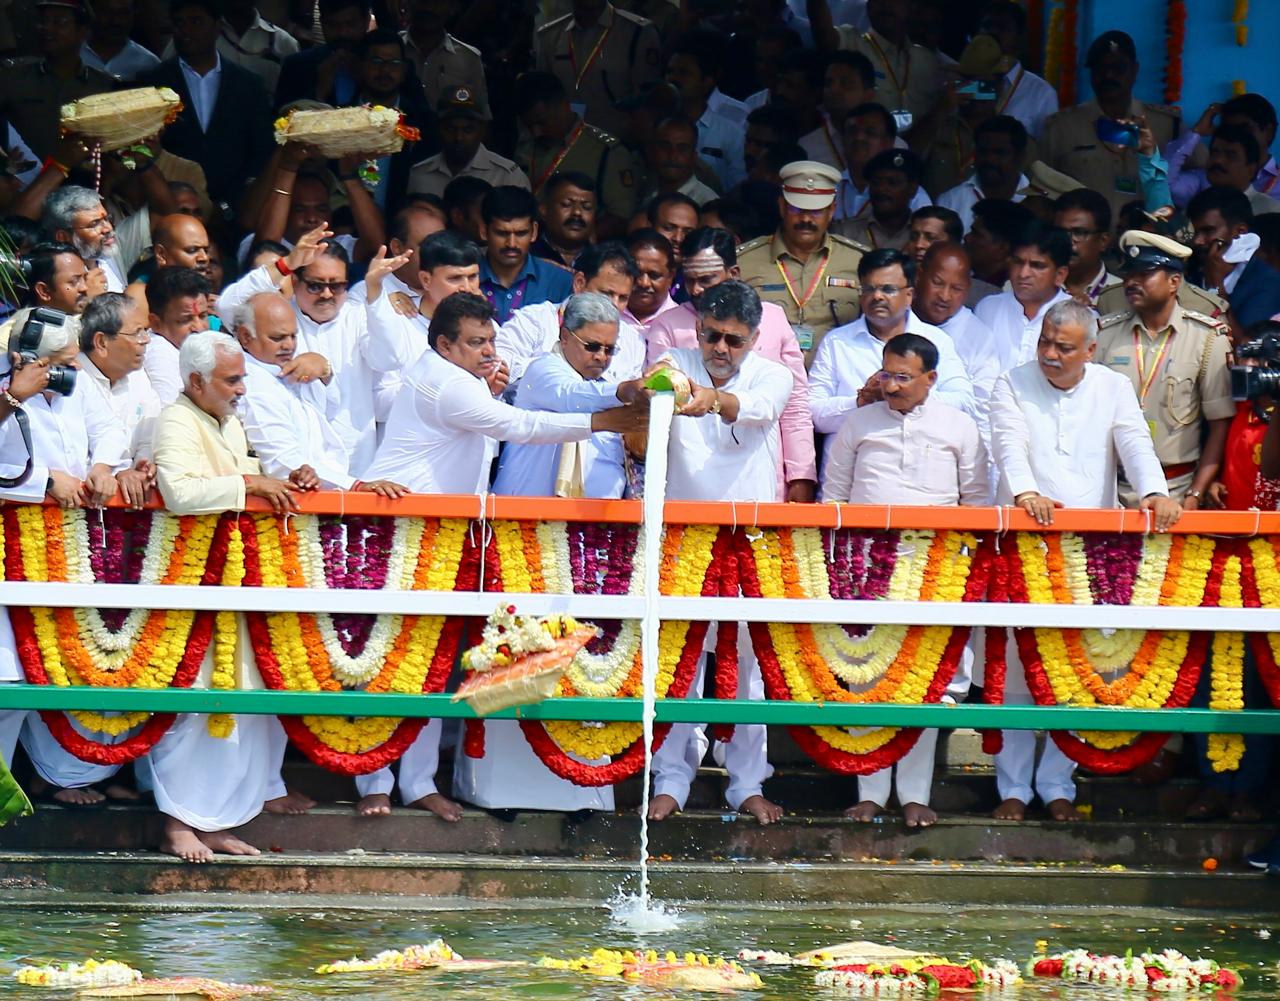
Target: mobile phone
{"x":979,"y":90}
{"x":1117,"y":133}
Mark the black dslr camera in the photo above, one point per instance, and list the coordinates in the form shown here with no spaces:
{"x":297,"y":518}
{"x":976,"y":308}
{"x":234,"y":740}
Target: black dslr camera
{"x":62,"y":379}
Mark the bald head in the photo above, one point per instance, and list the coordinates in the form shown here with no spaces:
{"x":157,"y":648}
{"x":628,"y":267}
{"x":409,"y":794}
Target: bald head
{"x":267,"y":328}
{"x":942,"y":283}
{"x":409,"y":228}
{"x":181,"y":240}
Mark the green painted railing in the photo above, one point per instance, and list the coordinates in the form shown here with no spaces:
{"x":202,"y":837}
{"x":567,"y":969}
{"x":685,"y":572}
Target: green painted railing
{"x":977,"y":716}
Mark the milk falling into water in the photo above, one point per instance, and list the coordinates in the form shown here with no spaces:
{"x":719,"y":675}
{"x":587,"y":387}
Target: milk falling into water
{"x":638,"y":913}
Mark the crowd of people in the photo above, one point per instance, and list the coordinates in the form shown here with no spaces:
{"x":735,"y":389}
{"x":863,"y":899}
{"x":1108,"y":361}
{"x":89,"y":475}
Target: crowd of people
{"x":892,"y":268}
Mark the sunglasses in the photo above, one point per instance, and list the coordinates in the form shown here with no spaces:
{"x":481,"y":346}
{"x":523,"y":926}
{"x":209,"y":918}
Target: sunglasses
{"x":316,"y":288}
{"x":714,"y":337}
{"x":595,"y":347}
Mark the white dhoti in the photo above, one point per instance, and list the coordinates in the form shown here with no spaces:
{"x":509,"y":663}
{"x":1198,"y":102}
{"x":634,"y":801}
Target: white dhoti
{"x":746,"y":755}
{"x":58,"y":766}
{"x":215,"y":783}
{"x":11,"y":721}
{"x":511,"y":777}
{"x":1016,"y":767}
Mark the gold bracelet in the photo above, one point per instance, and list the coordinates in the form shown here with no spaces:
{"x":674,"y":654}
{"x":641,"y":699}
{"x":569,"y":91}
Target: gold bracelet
{"x":12,"y":400}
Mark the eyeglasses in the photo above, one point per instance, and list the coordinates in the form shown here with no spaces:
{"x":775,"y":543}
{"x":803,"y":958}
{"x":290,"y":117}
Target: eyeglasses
{"x":594,"y":347}
{"x":888,"y":291}
{"x":901,"y":378}
{"x":714,"y":337}
{"x":316,"y":288}
{"x":104,"y":222}
{"x":138,"y":337}
{"x":1083,"y":234}
{"x":379,"y":61}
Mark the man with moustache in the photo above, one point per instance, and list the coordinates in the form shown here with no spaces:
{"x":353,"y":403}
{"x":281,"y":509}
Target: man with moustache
{"x":1220,"y":221}
{"x":849,"y":82}
{"x":178,"y":240}
{"x":655,"y":274}
{"x":405,"y":233}
{"x":177,"y":305}
{"x":671,"y":157}
{"x":1177,"y":361}
{"x":462,"y":117}
{"x":929,"y":225}
{"x":893,"y":180}
{"x":868,"y":130}
{"x":511,"y":277}
{"x":1254,"y":112}
{"x":1086,"y":216}
{"x":1000,"y":144}
{"x":567,"y":206}
{"x":711,"y":259}
{"x":803,"y":267}
{"x":1235,"y":159}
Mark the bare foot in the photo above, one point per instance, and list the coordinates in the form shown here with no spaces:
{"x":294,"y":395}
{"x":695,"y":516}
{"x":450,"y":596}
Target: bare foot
{"x":86,"y":796}
{"x":182,"y":841}
{"x":662,"y":806}
{"x":121,"y":793}
{"x":445,"y":809}
{"x":1011,"y":809}
{"x":761,"y":809}
{"x":291,"y":803}
{"x":918,"y":815}
{"x":1244,"y":810}
{"x":1209,"y":804}
{"x":1062,"y":810}
{"x":377,"y":804}
{"x":864,"y":812}
{"x":227,"y":843}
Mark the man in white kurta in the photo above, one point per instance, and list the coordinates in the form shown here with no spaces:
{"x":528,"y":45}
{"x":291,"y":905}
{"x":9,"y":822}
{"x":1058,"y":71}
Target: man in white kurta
{"x":441,"y":438}
{"x":911,"y":449}
{"x":1060,"y":425}
{"x":571,"y":379}
{"x":725,"y":445}
{"x":177,"y":305}
{"x":206,"y":785}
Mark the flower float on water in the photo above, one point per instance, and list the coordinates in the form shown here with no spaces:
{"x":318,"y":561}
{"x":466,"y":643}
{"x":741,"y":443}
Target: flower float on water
{"x":922,"y":975}
{"x":692,"y":970}
{"x":90,"y":973}
{"x":413,"y":957}
{"x":1167,"y":971}
{"x":175,"y":987}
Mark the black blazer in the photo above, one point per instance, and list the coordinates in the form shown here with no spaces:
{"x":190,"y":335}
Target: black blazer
{"x":239,"y":140}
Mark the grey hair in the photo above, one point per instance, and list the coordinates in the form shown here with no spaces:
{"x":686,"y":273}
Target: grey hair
{"x":62,"y":205}
{"x":242,"y":316}
{"x":1069,"y":313}
{"x":53,"y":340}
{"x":104,"y":313}
{"x":731,"y":300}
{"x":583,"y":308}
{"x":199,"y":353}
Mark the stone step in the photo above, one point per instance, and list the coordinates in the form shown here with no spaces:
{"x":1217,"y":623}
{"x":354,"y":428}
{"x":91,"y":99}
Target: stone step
{"x":500,"y":879}
{"x":690,"y":837}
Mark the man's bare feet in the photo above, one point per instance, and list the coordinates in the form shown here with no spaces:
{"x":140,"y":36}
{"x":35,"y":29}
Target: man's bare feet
{"x":1244,"y":810}
{"x":918,"y":815}
{"x":442,"y":807}
{"x":1062,"y":810}
{"x":1011,"y":809}
{"x":121,"y":793}
{"x":85,"y":796}
{"x":182,"y":841}
{"x":760,"y":808}
{"x":291,"y":803}
{"x":376,"y":804}
{"x":1209,"y":804}
{"x":662,"y":806}
{"x":864,"y":812}
{"x":226,"y":843}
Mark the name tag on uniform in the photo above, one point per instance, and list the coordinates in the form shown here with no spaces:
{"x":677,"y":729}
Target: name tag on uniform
{"x":1118,"y":360}
{"x":715,"y":151}
{"x":1127,"y":185}
{"x":904,"y":119}
{"x":775,"y":287}
{"x":804,"y":334}
{"x":834,"y":282}
{"x":1085,"y":148}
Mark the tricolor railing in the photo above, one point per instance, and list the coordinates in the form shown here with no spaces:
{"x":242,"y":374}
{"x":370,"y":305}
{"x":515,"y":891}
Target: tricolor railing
{"x":858,"y":616}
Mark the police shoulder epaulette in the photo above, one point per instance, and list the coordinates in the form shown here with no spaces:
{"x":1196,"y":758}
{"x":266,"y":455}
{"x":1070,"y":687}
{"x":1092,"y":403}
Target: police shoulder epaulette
{"x":634,"y":18}
{"x":1111,"y":318}
{"x":563,"y":20}
{"x":600,"y":135}
{"x":862,"y":248}
{"x":1211,"y":321}
{"x":753,"y":244}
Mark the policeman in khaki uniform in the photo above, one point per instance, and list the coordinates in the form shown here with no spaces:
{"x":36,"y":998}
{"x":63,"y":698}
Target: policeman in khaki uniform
{"x":1071,"y":143}
{"x":462,"y":116}
{"x":1177,"y":362}
{"x":602,"y":55}
{"x":811,"y":273}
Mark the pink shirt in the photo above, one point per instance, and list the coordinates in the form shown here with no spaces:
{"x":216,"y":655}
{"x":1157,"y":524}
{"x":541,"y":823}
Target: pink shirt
{"x":676,"y":328}
{"x":643,"y":325}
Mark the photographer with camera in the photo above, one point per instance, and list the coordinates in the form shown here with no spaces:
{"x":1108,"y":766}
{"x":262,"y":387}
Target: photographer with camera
{"x":1259,"y":383}
{"x":55,"y":277}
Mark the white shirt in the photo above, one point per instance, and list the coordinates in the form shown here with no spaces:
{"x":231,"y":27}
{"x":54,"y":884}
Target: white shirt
{"x":390,"y":283}
{"x":851,"y":202}
{"x":204,"y":89}
{"x":1015,"y":335}
{"x":444,"y":429}
{"x":70,"y":434}
{"x":131,"y":399}
{"x":1065,"y":444}
{"x":115,"y":280}
{"x":850,"y":355}
{"x":710,"y":459}
{"x":720,"y":140}
{"x":128,"y":64}
{"x":1031,"y":99}
{"x":344,"y":240}
{"x":964,"y":196}
{"x":160,"y":363}
{"x":929,"y":456}
{"x":285,"y":433}
{"x":395,"y":342}
{"x":552,"y":384}
{"x":533,"y":330}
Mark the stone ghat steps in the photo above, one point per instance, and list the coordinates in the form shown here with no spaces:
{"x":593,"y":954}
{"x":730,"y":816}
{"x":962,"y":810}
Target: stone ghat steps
{"x":514,"y":879}
{"x":694,"y":836}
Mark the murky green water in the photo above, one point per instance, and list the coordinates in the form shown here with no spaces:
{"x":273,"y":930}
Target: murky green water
{"x":279,"y":948}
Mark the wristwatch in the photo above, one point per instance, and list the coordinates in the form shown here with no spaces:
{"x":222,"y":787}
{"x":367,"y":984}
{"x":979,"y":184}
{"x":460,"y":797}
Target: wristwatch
{"x":715,"y":407}
{"x":1197,"y":494}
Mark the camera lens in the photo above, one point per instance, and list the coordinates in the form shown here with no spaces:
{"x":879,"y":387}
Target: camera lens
{"x":62,"y":380}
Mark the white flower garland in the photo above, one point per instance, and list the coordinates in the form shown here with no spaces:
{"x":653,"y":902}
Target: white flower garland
{"x":90,"y":973}
{"x":600,"y":676}
{"x":353,"y":672}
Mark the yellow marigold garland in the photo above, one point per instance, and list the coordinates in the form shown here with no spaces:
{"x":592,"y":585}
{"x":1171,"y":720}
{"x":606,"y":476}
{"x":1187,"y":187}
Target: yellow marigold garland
{"x":1226,"y":689}
{"x":226,"y":633}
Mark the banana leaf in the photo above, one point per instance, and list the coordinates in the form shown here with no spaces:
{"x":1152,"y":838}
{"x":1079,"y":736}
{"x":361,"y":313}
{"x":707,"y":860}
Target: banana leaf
{"x":13,"y":801}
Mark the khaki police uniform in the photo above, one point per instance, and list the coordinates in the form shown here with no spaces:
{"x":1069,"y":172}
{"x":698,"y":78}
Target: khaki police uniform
{"x":1191,"y":384}
{"x":613,"y":58}
{"x":601,"y":157}
{"x":907,"y":78}
{"x":450,"y":65}
{"x":864,"y":230}
{"x":32,"y":98}
{"x":836,"y":296}
{"x":431,"y":176}
{"x":1071,"y":144}
{"x":1190,"y":297}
